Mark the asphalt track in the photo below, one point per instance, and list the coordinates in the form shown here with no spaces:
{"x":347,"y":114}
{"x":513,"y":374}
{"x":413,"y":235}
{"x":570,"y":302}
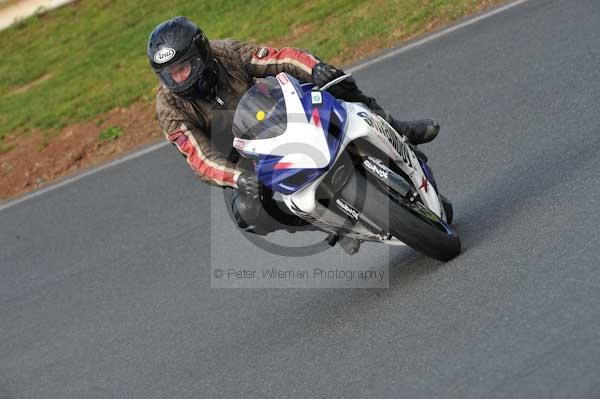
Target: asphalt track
{"x":105,"y":282}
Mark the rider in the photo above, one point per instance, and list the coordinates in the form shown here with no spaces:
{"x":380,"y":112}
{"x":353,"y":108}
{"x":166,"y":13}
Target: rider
{"x":202,"y":83}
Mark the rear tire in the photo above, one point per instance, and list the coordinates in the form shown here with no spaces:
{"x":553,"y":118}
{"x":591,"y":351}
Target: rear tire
{"x":413,"y":224}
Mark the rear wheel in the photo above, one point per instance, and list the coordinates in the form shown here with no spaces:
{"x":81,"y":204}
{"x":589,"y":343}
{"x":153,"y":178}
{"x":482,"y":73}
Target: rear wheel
{"x":411,"y":223}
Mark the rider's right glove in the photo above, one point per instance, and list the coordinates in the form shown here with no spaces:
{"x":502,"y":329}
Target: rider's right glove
{"x":347,"y":90}
{"x":248,"y":185}
{"x":323,"y":73}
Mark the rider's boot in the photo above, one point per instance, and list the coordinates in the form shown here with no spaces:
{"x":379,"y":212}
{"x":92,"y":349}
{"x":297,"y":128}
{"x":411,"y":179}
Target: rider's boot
{"x":417,"y":132}
{"x":263,"y":216}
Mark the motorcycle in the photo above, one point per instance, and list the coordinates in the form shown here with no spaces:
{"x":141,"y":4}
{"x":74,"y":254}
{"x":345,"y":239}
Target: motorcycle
{"x":341,"y":167}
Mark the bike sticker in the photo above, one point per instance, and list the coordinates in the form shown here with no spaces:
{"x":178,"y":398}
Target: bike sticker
{"x":347,"y":208}
{"x":377,"y":169}
{"x":316,"y":98}
{"x":281,"y":78}
{"x":390,"y":135}
{"x":239,"y":143}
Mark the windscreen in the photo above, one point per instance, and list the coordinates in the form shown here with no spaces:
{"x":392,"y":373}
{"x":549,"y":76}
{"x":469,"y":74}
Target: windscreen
{"x":261,"y":113}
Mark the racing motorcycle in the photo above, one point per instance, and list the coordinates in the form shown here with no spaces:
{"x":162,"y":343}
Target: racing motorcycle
{"x":341,"y":167}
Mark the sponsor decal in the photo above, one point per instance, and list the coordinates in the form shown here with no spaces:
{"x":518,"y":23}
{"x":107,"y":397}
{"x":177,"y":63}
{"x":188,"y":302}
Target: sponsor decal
{"x":281,"y":78}
{"x":424,"y":184}
{"x":376,"y":168}
{"x":164,"y":55}
{"x":347,"y":209}
{"x":262,"y":52}
{"x":316,"y":97}
{"x":390,"y":134}
{"x":239,"y":143}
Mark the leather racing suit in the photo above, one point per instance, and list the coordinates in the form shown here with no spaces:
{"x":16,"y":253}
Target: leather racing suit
{"x":202,"y":129}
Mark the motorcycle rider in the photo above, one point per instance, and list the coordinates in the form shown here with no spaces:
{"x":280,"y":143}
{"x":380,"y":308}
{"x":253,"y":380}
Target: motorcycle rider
{"x":201,"y":85}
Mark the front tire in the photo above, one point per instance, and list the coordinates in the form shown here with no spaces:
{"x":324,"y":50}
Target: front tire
{"x":448,"y":209}
{"x":411,"y":223}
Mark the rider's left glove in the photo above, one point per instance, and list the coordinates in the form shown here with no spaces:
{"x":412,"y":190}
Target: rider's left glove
{"x":247,"y":184}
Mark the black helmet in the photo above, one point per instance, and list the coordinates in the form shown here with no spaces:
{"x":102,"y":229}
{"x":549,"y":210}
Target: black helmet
{"x":179,"y":53}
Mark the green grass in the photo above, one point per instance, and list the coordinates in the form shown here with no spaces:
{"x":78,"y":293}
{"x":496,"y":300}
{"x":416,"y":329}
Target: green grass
{"x":112,"y":133}
{"x":84,"y":59}
{"x":6,"y":148}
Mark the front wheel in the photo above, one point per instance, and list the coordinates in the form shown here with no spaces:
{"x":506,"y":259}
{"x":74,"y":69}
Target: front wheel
{"x":411,"y":223}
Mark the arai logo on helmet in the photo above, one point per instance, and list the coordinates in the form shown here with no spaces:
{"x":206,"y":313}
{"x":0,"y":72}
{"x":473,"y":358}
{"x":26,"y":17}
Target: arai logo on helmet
{"x":163,"y":55}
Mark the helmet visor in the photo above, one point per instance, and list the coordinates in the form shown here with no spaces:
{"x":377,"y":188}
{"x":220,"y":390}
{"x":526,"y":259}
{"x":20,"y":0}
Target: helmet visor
{"x":181,"y":75}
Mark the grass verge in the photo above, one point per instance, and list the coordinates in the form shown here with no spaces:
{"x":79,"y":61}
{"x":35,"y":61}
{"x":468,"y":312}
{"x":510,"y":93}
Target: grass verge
{"x":112,"y":133}
{"x":71,"y":64}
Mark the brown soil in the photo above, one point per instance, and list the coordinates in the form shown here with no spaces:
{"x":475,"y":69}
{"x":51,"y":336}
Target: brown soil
{"x":30,"y":164}
{"x":30,"y":161}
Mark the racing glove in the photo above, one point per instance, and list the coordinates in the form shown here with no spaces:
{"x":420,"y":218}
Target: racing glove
{"x":346,"y":90}
{"x":248,"y":185}
{"x":323,"y":73}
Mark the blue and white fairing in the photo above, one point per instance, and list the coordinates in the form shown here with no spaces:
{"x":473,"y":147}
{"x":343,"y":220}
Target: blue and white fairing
{"x":292,"y":132}
{"x":296,"y":134}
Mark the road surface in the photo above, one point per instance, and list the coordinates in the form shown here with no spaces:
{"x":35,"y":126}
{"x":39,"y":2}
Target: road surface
{"x":105,"y":282}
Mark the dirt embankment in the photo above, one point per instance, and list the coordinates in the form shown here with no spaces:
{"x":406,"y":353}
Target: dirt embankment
{"x":32,"y":162}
